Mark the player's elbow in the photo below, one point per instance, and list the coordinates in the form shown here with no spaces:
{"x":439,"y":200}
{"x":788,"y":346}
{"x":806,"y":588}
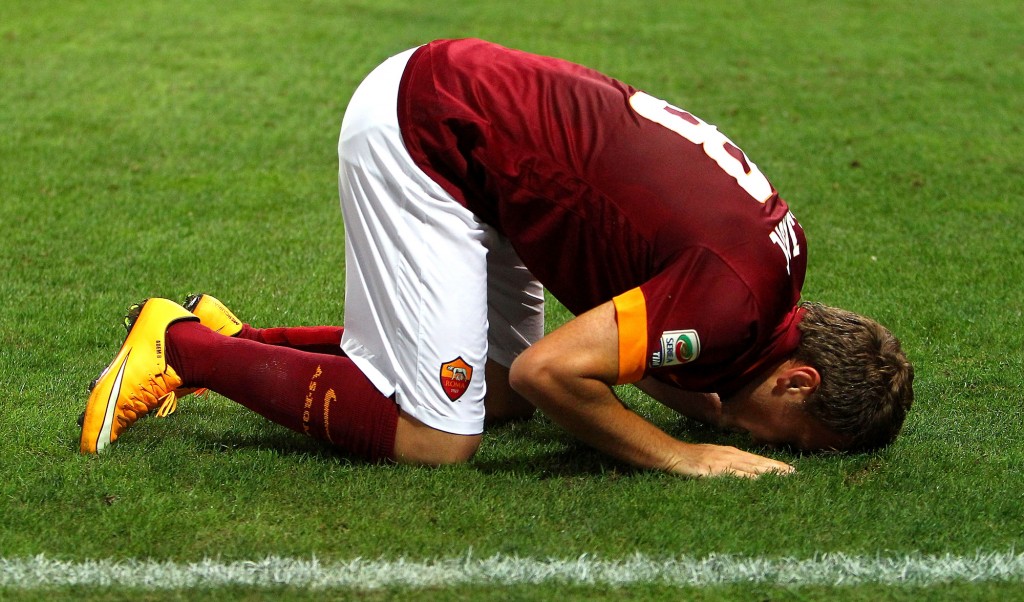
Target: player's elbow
{"x":534,"y":375}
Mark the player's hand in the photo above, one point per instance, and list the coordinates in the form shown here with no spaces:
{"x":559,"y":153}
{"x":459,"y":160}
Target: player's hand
{"x":703,"y":460}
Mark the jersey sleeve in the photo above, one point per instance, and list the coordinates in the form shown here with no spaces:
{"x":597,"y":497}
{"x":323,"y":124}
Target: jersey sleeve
{"x":631,"y":314}
{"x":696,"y":320}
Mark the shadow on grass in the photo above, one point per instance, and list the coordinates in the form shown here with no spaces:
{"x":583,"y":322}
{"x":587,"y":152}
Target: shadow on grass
{"x":535,"y":448}
{"x":280,"y":442}
{"x":571,"y":461}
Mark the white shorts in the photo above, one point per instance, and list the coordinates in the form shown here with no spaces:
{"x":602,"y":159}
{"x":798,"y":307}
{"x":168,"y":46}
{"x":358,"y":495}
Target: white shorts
{"x":431,"y":292}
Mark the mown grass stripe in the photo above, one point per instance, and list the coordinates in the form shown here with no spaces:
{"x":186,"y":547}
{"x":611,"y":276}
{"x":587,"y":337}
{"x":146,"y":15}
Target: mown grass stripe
{"x":826,"y":569}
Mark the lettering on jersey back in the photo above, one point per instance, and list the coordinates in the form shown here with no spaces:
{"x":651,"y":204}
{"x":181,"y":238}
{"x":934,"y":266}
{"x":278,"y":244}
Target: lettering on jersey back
{"x":784,"y":236}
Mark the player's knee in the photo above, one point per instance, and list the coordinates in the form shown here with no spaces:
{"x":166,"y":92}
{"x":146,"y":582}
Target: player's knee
{"x":453,"y":449}
{"x":440,"y":451}
{"x":417,"y":443}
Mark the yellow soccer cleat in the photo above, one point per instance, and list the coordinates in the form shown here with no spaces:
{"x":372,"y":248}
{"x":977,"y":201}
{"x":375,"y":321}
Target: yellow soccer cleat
{"x":138,"y":379}
{"x":217,"y":317}
{"x":213,"y":314}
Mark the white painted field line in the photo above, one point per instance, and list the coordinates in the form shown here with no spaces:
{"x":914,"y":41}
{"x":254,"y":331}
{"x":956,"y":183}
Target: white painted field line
{"x":826,"y":569}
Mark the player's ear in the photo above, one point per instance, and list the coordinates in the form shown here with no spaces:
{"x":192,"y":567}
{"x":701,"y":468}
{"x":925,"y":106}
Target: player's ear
{"x":801,"y":378}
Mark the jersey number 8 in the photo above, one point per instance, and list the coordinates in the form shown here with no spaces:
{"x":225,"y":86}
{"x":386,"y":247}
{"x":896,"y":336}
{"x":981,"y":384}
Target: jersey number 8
{"x":726,"y":154}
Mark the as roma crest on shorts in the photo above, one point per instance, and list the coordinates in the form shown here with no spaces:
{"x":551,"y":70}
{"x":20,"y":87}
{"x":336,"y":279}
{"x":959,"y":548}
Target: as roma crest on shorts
{"x":455,"y":378}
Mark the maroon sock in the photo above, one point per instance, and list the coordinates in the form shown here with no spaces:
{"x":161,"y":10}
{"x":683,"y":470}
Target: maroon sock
{"x":324,"y":396}
{"x":315,"y":339}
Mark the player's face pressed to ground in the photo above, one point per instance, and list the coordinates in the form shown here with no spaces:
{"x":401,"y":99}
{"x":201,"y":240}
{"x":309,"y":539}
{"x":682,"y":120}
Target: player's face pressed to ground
{"x":794,"y":427}
{"x":772,"y":412}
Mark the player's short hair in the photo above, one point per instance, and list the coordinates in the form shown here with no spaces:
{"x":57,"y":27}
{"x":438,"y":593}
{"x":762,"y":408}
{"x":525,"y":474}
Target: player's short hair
{"x":867,"y":381}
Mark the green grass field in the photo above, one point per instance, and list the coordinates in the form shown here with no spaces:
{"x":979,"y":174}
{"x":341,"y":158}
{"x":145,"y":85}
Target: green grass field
{"x":156,"y":148}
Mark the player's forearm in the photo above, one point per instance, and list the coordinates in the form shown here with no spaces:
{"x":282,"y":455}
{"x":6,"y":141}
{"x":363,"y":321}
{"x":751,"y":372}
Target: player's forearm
{"x":589,"y":410}
{"x":703,"y":407}
{"x":593,"y":414}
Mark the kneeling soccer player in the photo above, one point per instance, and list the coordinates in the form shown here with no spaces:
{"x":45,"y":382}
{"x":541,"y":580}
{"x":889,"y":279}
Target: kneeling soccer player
{"x":471,"y":175}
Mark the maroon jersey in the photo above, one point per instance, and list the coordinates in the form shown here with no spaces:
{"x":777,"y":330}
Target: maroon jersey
{"x":607,"y":194}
